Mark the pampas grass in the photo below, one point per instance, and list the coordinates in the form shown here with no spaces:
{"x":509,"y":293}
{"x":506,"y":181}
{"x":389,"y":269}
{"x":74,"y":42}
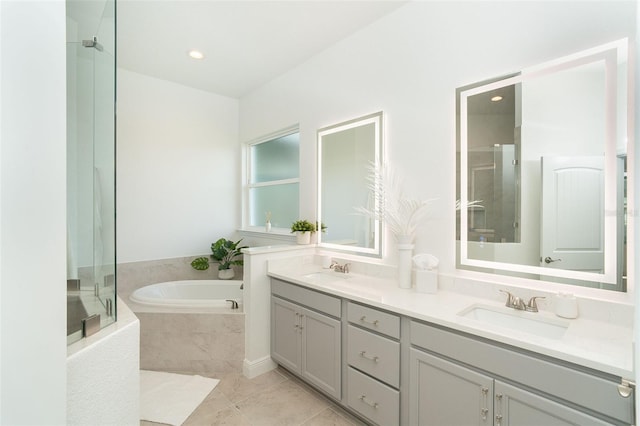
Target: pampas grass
{"x":401,"y":214}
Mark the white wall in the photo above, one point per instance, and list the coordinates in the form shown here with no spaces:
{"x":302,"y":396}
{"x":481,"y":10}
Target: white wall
{"x":32,"y":227}
{"x":408,"y":65}
{"x":177,"y":169}
{"x":103,"y":375}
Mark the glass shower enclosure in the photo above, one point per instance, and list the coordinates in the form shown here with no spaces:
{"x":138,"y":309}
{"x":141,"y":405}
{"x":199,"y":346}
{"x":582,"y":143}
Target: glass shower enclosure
{"x":91,"y":84}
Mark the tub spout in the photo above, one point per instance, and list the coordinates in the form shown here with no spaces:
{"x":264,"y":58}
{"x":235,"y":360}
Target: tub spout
{"x":242,"y":286}
{"x":234,"y":304}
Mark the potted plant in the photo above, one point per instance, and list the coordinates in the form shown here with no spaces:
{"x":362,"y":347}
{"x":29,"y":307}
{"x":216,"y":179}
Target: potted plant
{"x":224,"y":252}
{"x":303,"y":230}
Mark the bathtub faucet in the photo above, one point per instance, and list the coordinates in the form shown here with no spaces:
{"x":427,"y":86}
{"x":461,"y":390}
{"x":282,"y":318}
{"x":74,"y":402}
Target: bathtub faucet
{"x":234,"y":304}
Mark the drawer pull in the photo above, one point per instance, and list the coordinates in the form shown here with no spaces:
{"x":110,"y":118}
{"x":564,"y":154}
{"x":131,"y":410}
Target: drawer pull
{"x":363,"y":354}
{"x":363,"y":398}
{"x":364,"y":319}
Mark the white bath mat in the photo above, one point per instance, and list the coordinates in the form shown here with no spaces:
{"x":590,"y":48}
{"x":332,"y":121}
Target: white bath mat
{"x":170,"y":398}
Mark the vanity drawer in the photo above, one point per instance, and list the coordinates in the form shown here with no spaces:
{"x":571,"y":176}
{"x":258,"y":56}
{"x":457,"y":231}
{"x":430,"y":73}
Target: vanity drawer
{"x":313,"y":299}
{"x":374,"y":319}
{"x":375,"y":355}
{"x":374,"y":400}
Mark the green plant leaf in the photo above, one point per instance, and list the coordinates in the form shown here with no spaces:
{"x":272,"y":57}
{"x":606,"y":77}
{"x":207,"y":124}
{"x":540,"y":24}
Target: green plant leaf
{"x":200,"y":264}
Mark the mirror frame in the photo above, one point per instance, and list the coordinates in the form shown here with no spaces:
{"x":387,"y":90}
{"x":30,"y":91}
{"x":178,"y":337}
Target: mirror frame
{"x":377,"y":120}
{"x":611,"y":53}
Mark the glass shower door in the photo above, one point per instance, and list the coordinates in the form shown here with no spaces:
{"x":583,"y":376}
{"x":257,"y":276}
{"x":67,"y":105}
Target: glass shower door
{"x":91,"y":285}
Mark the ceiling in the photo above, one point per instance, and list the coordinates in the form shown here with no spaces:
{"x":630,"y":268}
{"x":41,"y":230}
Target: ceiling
{"x":245,"y":43}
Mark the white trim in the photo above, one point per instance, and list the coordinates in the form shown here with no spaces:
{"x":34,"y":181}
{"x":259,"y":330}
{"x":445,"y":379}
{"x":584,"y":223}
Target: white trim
{"x":252,"y":369}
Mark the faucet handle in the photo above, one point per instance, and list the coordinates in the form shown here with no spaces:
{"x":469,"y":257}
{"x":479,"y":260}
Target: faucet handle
{"x":510,"y":297}
{"x":532,"y":306}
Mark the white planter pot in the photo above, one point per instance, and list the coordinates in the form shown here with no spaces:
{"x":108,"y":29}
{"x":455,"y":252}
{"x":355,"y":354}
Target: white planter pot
{"x":226,"y":274}
{"x":303,"y":237}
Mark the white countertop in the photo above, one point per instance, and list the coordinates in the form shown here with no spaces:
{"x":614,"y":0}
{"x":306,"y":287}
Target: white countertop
{"x":595,"y":344}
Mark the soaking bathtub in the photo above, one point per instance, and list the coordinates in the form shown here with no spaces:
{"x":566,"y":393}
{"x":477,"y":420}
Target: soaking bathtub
{"x":223,"y":294}
{"x":190,"y":326}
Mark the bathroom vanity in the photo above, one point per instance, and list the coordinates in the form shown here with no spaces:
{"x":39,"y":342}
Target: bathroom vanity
{"x":394,"y":356}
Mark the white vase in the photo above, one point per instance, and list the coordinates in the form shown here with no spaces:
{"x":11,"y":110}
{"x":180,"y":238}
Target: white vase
{"x":405,"y":254}
{"x":303,"y":237}
{"x":226,"y":274}
{"x":267,"y":227}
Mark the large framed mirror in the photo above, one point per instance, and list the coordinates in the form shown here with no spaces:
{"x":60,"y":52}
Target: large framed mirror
{"x":346,"y":153}
{"x":542,"y":171}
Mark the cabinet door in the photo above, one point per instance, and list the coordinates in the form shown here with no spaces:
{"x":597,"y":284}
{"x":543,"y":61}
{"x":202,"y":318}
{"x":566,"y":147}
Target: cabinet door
{"x":517,"y":407}
{"x":443,"y":393}
{"x":321,"y":360}
{"x":285,"y":333}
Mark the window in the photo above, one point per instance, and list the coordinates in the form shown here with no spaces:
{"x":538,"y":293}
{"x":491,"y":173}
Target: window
{"x":273,"y":180}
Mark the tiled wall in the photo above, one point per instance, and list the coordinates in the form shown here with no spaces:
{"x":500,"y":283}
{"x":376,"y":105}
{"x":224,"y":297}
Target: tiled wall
{"x":207,"y":344}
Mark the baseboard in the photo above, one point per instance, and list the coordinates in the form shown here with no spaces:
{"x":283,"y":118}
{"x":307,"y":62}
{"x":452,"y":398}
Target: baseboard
{"x":252,"y":369}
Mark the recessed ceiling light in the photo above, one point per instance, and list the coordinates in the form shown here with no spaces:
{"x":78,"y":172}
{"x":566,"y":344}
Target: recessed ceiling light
{"x":496,"y":98}
{"x":196,"y":54}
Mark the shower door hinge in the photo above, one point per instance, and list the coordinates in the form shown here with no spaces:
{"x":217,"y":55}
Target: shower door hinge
{"x":90,"y":325}
{"x":73,"y":284}
{"x":514,"y":162}
{"x":109,"y":280}
{"x":92,"y":43}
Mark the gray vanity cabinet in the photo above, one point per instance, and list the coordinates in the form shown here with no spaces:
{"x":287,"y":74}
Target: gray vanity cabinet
{"x":305,"y":340}
{"x":446,"y":394}
{"x":395,"y":370}
{"x":373,"y":358}
{"x":459,"y":379}
{"x":285,"y":334}
{"x":518,"y":407}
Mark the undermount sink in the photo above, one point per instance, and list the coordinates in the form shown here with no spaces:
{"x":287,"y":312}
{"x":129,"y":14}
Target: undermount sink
{"x":521,"y":321}
{"x":325,"y":277}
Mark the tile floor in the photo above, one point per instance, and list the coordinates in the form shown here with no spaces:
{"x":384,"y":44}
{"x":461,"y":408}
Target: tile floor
{"x":276,"y":398}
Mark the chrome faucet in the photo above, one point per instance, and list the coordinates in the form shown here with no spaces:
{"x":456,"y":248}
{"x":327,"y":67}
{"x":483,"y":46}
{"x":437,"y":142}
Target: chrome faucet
{"x":340,"y":268}
{"x":517,"y":303}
